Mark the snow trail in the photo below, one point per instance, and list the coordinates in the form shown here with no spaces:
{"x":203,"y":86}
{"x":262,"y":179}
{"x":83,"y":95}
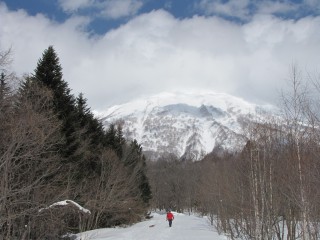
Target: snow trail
{"x":184,"y":227}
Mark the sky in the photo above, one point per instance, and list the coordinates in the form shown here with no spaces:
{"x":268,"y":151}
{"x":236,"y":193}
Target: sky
{"x":114,"y":51}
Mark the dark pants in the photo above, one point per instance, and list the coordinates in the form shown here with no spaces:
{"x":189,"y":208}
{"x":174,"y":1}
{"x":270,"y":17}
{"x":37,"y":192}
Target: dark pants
{"x":170,"y":222}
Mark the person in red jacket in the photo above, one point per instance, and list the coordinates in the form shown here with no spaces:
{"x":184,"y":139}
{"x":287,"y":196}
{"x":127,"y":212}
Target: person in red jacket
{"x":170,"y":217}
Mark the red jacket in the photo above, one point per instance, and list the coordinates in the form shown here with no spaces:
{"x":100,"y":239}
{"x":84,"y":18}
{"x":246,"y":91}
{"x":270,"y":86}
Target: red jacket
{"x":170,"y":216}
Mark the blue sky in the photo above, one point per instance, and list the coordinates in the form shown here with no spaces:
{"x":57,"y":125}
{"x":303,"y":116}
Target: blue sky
{"x":117,"y":50}
{"x":121,"y":11}
{"x":102,"y":22}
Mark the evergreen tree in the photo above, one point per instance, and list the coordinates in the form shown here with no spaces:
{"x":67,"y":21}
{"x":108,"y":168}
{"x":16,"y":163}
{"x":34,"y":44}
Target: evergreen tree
{"x":110,"y":136}
{"x":120,"y":140}
{"x":136,"y":160}
{"x":83,"y":109}
{"x":92,"y":125}
{"x":64,"y":152}
{"x":49,"y":74}
{"x":114,"y":139}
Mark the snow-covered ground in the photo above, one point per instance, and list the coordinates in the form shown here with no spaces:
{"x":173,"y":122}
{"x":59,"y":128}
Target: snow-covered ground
{"x":184,"y":227}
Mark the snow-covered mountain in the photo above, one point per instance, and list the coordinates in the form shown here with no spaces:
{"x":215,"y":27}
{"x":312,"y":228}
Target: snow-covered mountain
{"x":185,"y":124}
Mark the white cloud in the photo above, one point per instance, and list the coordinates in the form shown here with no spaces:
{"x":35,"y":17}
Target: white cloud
{"x":272,"y":7}
{"x":246,"y":9}
{"x":74,"y":5}
{"x":313,"y":5}
{"x":156,"y":52}
{"x":168,"y":5}
{"x":120,"y":8}
{"x":113,"y":9}
{"x":234,"y":8}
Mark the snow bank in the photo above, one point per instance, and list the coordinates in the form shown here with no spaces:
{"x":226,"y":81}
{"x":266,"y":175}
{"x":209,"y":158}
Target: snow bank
{"x":65,"y":203}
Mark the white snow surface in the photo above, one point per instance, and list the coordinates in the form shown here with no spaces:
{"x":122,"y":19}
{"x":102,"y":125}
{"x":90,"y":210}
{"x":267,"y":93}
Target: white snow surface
{"x":184,"y":227}
{"x":181,"y":123}
{"x":67,"y":202}
{"x":219,"y":100}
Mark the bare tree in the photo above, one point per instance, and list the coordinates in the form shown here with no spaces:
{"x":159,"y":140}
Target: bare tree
{"x":28,"y":163}
{"x":296,"y":106}
{"x":114,"y":197}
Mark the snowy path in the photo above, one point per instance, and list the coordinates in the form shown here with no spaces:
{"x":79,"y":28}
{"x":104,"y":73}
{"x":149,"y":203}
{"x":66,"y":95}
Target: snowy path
{"x":184,"y":227}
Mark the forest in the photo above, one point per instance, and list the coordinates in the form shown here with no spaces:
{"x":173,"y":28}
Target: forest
{"x":53,"y":148}
{"x":270,"y":189}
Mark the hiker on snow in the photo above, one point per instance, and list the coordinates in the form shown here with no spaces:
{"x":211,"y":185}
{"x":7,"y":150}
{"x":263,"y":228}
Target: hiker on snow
{"x":170,"y":217}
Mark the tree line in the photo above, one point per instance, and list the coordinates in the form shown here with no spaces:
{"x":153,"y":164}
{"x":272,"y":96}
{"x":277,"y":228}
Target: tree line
{"x":53,"y":148}
{"x":270,"y":189}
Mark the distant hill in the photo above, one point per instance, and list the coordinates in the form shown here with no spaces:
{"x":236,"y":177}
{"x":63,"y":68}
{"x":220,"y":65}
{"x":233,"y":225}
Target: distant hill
{"x":187,"y":125}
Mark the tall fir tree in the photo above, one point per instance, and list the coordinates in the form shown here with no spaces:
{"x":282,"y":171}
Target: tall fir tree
{"x":114,"y":139}
{"x":93,"y":127}
{"x":49,"y":74}
{"x":80,"y":151}
{"x":136,"y":159}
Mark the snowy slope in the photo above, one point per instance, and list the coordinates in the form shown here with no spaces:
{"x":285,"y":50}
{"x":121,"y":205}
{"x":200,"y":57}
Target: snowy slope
{"x":185,"y":124}
{"x":184,"y":227}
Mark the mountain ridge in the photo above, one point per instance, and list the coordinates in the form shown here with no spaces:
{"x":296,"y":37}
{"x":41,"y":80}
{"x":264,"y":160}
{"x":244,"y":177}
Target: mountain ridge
{"x":188,"y":125}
